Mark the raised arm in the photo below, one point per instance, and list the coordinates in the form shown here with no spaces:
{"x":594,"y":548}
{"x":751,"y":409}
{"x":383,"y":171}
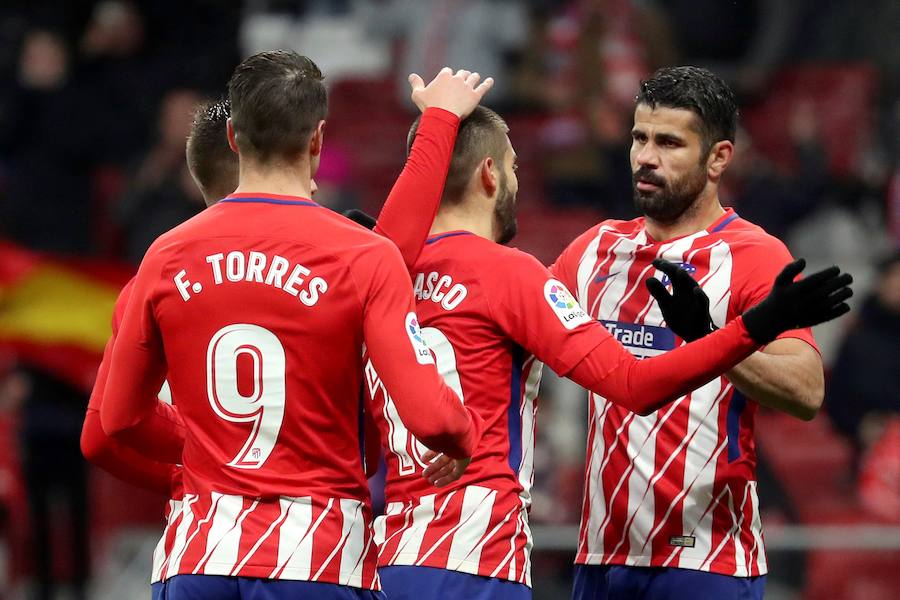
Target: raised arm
{"x":413,"y":202}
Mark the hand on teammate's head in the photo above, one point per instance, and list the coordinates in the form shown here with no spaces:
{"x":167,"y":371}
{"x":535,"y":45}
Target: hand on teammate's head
{"x":458,"y":92}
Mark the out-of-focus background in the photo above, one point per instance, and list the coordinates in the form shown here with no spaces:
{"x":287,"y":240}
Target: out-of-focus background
{"x":95,"y":103}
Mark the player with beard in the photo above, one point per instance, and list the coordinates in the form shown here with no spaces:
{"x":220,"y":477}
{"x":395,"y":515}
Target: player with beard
{"x":491,"y":316}
{"x":670,"y":502}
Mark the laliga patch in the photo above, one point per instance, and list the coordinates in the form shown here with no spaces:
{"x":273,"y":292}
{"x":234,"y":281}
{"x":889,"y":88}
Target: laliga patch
{"x":423,"y":354}
{"x":562,"y":302}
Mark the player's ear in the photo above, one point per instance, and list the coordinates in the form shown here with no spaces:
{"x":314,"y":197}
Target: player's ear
{"x":487,"y":177}
{"x":318,"y":138}
{"x":229,"y":128}
{"x":719,"y":157}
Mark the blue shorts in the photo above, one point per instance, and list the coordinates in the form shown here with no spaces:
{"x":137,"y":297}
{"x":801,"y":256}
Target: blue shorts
{"x":158,"y":590}
{"x":217,"y":587}
{"x":615,"y":582}
{"x":429,"y":583}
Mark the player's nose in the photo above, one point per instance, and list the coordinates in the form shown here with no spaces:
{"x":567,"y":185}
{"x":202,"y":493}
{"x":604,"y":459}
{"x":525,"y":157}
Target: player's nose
{"x":647,"y":156}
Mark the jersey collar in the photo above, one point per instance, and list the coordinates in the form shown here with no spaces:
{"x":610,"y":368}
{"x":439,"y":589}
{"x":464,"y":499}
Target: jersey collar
{"x":446,"y":234}
{"x":262,"y":198}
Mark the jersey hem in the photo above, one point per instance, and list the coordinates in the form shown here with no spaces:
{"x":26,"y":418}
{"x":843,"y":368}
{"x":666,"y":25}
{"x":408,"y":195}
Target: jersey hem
{"x":693,"y":564}
{"x":334,"y":576}
{"x":407,"y":559}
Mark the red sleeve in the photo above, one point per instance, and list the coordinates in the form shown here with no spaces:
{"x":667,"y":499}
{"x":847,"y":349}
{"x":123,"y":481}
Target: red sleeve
{"x":123,"y":462}
{"x":429,"y":409}
{"x":130,"y":411}
{"x":540,"y":314}
{"x":643,"y":386}
{"x":756,"y":264}
{"x":410,"y":208}
{"x":101,"y":450}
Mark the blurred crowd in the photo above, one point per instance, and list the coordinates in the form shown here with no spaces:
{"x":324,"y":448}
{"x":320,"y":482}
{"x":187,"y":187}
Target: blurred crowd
{"x":96,"y":99}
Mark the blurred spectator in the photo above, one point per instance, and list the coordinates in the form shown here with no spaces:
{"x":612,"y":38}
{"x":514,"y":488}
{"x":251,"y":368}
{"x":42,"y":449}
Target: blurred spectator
{"x":479,"y":35}
{"x":115,"y":72}
{"x":862,"y":393}
{"x":879,"y":485}
{"x":773,"y":198}
{"x":47,"y":142}
{"x":331,"y":31}
{"x":743,"y":42}
{"x":51,"y":417}
{"x":334,"y":180}
{"x":162,"y":193}
{"x":586,"y":159}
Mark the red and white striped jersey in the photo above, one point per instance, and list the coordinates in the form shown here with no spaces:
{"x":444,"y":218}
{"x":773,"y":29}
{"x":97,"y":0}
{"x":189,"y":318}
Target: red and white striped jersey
{"x":676,"y":488}
{"x":484,"y":309}
{"x":257,"y":309}
{"x":303,"y":538}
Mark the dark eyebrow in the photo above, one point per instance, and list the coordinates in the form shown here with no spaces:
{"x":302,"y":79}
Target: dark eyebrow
{"x":662,"y":138}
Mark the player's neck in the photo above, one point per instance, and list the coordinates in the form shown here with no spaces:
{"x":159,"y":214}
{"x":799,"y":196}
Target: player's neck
{"x":698,"y":217}
{"x":457,"y":219}
{"x":284,"y":180}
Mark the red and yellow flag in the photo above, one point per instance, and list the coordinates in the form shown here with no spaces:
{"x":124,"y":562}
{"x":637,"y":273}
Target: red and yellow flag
{"x":55,"y":312}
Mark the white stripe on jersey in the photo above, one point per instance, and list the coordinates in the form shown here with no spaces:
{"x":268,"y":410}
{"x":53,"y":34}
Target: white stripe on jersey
{"x":282,"y":515}
{"x":181,"y":534}
{"x":224,"y":539}
{"x":528,"y":413}
{"x":162,"y":552}
{"x":411,"y":539}
{"x":295,"y":541}
{"x":356,"y":545}
{"x":701,"y":459}
{"x":466,"y":545}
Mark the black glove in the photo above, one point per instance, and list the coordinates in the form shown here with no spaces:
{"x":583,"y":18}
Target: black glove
{"x":793,"y":305}
{"x":686,"y":309}
{"x":360,"y":217}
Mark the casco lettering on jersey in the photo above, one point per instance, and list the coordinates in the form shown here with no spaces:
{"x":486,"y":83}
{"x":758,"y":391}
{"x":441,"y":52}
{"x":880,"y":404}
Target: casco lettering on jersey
{"x":643,"y":341}
{"x":440,"y":289}
{"x":255,"y":267}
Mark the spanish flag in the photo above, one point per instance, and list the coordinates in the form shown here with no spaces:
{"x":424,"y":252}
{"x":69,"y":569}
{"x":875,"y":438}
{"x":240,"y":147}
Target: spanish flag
{"x":55,"y":312}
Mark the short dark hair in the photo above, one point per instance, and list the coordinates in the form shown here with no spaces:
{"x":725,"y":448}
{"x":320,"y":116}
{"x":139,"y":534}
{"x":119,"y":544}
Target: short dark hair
{"x":481,"y":134}
{"x":210,"y":159}
{"x":277,"y":99}
{"x":698,"y":90}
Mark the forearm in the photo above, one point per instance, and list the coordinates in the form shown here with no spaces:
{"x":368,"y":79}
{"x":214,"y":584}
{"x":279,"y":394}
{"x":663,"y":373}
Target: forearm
{"x":410,"y":208}
{"x":157,"y":433}
{"x":791,"y":383}
{"x":644,"y":386}
{"x":120,"y":461}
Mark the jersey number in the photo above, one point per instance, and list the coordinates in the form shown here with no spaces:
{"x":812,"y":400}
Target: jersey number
{"x":264,"y":406}
{"x":402,"y":443}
